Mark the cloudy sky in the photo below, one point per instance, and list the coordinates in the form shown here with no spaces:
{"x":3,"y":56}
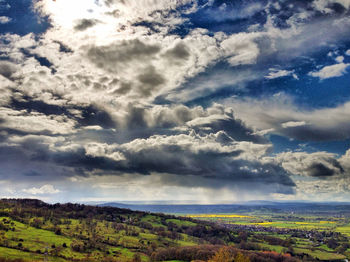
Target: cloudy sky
{"x":207,"y":101}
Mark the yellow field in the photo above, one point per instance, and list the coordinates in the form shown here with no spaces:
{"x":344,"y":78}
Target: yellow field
{"x":266,"y":221}
{"x":218,"y":216}
{"x":327,"y":222}
{"x":263,"y":223}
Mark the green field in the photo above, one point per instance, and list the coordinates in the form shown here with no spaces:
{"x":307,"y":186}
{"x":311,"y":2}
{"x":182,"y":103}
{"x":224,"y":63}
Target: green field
{"x":318,"y":249}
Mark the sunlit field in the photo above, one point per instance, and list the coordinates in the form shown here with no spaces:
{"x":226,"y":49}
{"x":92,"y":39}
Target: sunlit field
{"x":218,"y":216}
{"x":287,"y":227}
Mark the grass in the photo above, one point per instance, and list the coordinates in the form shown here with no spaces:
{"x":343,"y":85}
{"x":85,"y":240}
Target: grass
{"x":129,"y":242}
{"x":272,"y":247}
{"x":38,"y":239}
{"x":148,"y":236}
{"x":34,"y":239}
{"x":153,"y":220}
{"x":345,"y":229}
{"x":181,"y":222}
{"x":319,"y":254}
{"x":18,"y":254}
{"x":186,"y":243}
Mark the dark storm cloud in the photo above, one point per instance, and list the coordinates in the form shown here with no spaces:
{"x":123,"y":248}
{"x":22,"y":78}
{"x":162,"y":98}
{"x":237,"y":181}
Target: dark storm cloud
{"x":181,"y":156}
{"x":192,"y":155}
{"x":175,"y":159}
{"x":18,"y":165}
{"x":34,"y":151}
{"x":33,"y":157}
{"x":267,"y":178}
{"x":79,"y":159}
{"x":212,"y":165}
{"x":84,"y":24}
{"x":215,"y":156}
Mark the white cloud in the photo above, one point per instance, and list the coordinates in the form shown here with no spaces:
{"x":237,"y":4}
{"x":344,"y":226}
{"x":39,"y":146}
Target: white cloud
{"x":45,"y":189}
{"x":345,"y":160}
{"x":103,"y":150}
{"x":36,"y":122}
{"x":275,"y":73}
{"x":326,"y":72}
{"x":204,"y":85}
{"x":347,"y":52}
{"x":241,"y":48}
{"x":109,"y":82}
{"x":339,"y":59}
{"x":99,"y":101}
{"x":293,"y":124}
{"x":5,"y":19}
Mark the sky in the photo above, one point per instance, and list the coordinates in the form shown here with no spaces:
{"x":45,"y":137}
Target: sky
{"x":188,"y":100}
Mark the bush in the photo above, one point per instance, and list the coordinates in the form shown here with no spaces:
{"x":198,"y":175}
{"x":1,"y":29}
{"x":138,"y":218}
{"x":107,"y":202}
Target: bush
{"x":77,"y":246}
{"x":58,"y":231}
{"x":136,"y":258}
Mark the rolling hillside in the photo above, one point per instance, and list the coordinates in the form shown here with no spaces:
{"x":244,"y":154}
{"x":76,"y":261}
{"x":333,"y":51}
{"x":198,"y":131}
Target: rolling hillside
{"x":31,"y":230}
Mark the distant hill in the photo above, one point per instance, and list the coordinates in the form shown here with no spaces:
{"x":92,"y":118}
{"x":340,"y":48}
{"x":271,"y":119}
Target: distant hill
{"x":330,"y":208}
